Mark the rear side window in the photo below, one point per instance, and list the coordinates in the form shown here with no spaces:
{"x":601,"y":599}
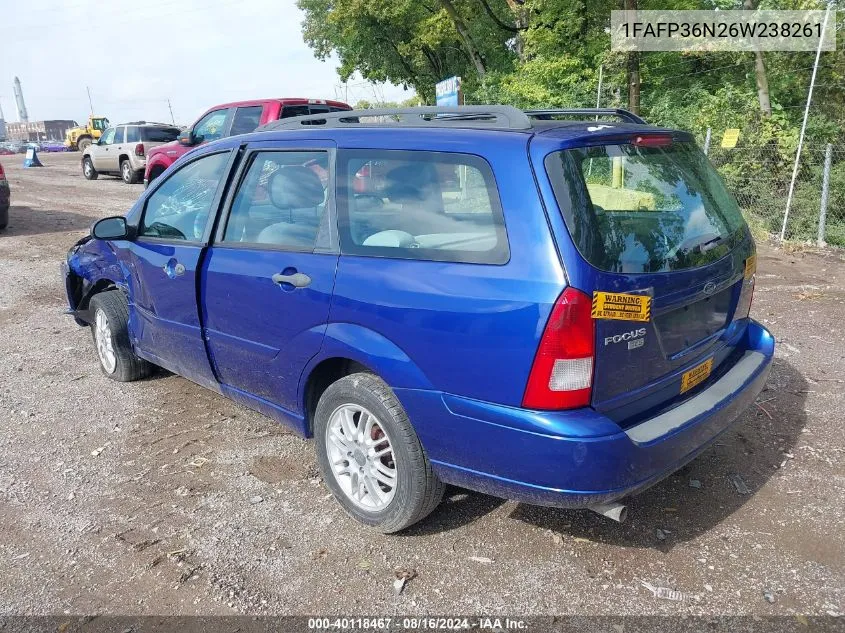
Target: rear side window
{"x":281,"y":201}
{"x":159,"y":134}
{"x":246,"y":120}
{"x":420,"y":205}
{"x":305,"y":110}
{"x":634,"y":209}
{"x":133,"y":134}
{"x":298,"y":110}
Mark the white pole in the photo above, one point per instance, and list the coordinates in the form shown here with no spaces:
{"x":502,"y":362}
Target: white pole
{"x":804,"y":126}
{"x":598,"y":91}
{"x":828,"y":157}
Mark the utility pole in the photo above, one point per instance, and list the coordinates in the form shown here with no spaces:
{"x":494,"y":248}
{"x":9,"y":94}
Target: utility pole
{"x":169,"y":107}
{"x":632,"y":64}
{"x":598,"y":90}
{"x":90,"y":103}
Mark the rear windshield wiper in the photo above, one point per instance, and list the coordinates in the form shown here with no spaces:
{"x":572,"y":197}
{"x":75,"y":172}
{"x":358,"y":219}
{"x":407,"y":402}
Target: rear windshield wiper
{"x":710,"y":244}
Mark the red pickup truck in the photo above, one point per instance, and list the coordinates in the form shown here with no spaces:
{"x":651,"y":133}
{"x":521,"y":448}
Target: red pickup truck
{"x":229,"y":119}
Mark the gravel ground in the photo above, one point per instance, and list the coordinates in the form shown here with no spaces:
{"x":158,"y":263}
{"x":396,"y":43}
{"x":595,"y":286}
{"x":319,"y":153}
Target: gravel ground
{"x":160,"y":497}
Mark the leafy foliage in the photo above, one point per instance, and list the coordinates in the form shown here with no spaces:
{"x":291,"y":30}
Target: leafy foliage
{"x":547,"y":53}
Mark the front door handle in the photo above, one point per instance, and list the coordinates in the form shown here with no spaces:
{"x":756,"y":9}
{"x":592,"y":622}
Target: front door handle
{"x":297,"y":280}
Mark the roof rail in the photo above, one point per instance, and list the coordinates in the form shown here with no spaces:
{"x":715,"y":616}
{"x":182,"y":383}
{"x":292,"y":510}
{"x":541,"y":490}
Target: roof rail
{"x":621,"y":113}
{"x":146,"y":123}
{"x":497,"y":117}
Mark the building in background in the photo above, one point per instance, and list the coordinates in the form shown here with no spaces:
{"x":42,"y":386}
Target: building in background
{"x":39,"y":130}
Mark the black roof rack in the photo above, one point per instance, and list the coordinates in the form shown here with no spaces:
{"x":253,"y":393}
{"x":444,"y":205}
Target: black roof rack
{"x":146,"y":123}
{"x":491,"y":117}
{"x":497,"y":117}
{"x":550,"y":114}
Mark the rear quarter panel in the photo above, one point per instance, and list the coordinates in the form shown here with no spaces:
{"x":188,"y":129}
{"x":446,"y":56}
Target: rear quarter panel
{"x":468,"y":329}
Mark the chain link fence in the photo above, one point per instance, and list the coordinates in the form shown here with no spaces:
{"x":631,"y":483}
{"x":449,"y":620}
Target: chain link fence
{"x":759,"y":177}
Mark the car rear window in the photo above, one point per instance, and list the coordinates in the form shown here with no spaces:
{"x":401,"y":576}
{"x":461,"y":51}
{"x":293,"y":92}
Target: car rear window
{"x":644,"y":209}
{"x":159,"y":134}
{"x":420,"y":205}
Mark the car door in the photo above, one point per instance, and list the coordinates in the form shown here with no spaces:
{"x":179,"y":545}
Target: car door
{"x":116,"y":148}
{"x":268,"y":277}
{"x":101,"y":150}
{"x":163,"y":264}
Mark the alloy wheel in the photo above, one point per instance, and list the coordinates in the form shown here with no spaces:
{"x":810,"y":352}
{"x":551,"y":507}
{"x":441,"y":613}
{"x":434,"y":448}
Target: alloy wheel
{"x":103,"y":338}
{"x":361,"y":457}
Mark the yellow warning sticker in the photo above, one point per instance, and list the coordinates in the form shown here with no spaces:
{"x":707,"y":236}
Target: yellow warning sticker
{"x":696,"y":375}
{"x":620,"y":306}
{"x":750,"y":266}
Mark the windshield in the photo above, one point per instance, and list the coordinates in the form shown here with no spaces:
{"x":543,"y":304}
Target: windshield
{"x":633,"y":209}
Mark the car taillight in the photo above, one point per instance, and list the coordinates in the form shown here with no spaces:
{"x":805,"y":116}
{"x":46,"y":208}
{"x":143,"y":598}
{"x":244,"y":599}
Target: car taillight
{"x":139,"y":149}
{"x":562,"y":374}
{"x":2,"y":173}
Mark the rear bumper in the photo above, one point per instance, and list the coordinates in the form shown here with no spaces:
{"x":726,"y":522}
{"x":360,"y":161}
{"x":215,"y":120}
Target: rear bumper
{"x":579,"y":458}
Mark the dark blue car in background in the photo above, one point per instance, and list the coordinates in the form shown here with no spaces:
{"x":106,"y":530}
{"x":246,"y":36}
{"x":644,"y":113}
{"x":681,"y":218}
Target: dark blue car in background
{"x":526,"y":304}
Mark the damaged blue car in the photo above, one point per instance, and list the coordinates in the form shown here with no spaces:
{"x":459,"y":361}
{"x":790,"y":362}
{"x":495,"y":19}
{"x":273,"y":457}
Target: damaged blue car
{"x":528,"y":304}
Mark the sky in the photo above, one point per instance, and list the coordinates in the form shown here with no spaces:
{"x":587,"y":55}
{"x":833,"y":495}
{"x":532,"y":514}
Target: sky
{"x":134,"y":56}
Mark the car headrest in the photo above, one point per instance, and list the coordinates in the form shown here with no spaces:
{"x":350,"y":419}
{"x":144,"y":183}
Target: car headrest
{"x":295,"y":187}
{"x":408,"y":183}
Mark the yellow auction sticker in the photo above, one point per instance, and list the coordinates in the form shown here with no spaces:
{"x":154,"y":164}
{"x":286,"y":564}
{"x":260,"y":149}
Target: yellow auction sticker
{"x":696,"y":375}
{"x":620,"y":306}
{"x":750,"y":266}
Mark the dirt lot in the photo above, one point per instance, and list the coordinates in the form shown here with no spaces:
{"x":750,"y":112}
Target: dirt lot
{"x":160,"y":497}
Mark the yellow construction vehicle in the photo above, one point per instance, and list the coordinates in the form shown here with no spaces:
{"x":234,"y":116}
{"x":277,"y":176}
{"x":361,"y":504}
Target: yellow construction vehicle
{"x":82,"y":136}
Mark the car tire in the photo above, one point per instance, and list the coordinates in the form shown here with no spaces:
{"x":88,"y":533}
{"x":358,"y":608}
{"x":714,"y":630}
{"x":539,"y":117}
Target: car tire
{"x":343,"y":447}
{"x":155,"y":172}
{"x":88,"y":169}
{"x":129,"y":175}
{"x":110,"y":331}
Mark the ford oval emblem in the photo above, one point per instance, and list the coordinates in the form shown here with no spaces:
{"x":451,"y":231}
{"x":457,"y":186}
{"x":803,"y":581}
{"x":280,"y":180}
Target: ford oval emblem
{"x":709,"y":288}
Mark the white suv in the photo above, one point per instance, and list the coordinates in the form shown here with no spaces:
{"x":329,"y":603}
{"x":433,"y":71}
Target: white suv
{"x":122,"y":150}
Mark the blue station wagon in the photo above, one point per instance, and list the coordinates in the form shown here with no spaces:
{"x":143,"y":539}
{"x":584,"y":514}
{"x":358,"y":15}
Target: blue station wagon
{"x":526,"y":304}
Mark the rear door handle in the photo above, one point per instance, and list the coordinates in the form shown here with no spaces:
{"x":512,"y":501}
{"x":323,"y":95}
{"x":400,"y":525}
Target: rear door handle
{"x":297,"y":280}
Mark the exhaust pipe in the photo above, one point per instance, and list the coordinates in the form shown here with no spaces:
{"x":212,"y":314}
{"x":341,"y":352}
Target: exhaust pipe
{"x":616,"y":511}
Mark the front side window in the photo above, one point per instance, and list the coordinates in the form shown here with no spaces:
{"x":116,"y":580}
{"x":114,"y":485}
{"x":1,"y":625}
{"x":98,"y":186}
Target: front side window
{"x":281,"y":201}
{"x":178,"y":209}
{"x":420,"y":205}
{"x":108,"y":137}
{"x":118,"y":134}
{"x":246,"y":120}
{"x":645,"y":209}
{"x":211,"y":126}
